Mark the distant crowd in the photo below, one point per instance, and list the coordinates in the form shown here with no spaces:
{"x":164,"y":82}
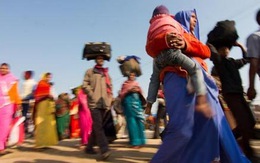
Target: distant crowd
{"x":202,"y":116}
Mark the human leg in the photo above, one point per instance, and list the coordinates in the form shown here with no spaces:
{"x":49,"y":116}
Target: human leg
{"x":98,"y":135}
{"x":244,"y":118}
{"x":6,"y":118}
{"x":172,"y":57}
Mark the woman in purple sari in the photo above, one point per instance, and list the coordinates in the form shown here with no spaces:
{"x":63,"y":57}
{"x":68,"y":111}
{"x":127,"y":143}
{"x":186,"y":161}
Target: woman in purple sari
{"x":190,"y":136}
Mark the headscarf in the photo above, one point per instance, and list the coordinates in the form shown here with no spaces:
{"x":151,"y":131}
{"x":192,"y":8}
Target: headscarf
{"x":43,"y":88}
{"x":104,"y":71}
{"x":183,"y":17}
{"x":6,"y":83}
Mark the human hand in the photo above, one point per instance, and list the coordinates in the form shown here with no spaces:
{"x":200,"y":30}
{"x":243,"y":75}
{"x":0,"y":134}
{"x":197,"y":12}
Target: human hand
{"x":203,"y":106}
{"x":135,"y":89}
{"x":251,"y":93}
{"x":148,"y":109}
{"x":175,"y":41}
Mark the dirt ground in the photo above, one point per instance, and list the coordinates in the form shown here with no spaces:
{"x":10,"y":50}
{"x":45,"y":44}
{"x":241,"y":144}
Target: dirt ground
{"x":67,"y":151}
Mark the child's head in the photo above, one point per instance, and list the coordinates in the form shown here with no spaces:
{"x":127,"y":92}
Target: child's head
{"x":160,"y":10}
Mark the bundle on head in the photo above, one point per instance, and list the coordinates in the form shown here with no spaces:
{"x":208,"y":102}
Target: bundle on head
{"x":223,"y":34}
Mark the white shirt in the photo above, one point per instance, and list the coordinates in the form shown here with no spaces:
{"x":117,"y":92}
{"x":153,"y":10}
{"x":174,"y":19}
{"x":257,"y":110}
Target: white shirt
{"x":27,"y":87}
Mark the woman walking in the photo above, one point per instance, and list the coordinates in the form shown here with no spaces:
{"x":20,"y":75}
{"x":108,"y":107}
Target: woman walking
{"x":9,"y":101}
{"x":44,"y":113}
{"x":133,"y":101}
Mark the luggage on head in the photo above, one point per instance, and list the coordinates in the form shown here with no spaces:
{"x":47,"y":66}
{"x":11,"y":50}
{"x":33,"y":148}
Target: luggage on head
{"x":94,"y":49}
{"x":129,"y":64}
{"x":223,"y":34}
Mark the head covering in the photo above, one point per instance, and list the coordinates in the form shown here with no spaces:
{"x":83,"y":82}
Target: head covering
{"x":160,"y":10}
{"x":224,"y":34}
{"x":75,"y":90}
{"x":183,"y":17}
{"x":45,"y":75}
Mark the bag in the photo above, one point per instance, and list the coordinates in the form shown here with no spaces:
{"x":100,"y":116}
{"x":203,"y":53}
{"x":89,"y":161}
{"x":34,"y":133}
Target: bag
{"x":223,"y":34}
{"x":94,"y":49}
{"x":129,"y":64}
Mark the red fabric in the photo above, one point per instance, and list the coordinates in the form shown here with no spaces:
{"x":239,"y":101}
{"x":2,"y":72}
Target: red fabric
{"x":195,"y":49}
{"x":127,"y":86}
{"x":160,"y":94}
{"x":74,"y":121}
{"x":43,"y":89}
{"x":159,"y":27}
{"x":105,"y":72}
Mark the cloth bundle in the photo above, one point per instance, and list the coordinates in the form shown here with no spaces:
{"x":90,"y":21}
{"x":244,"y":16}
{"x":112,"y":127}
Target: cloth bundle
{"x":223,"y":34}
{"x":129,"y":64}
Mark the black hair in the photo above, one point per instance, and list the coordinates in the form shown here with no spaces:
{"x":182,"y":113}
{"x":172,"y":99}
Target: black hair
{"x":258,"y":17}
{"x":5,"y":64}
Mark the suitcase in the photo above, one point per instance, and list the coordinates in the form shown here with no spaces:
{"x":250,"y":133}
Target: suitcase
{"x":94,"y":49}
{"x":129,"y":64}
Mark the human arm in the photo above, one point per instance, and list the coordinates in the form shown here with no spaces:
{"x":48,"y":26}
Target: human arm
{"x":251,"y":92}
{"x":254,"y":56}
{"x":86,"y":86}
{"x":243,"y":49}
{"x":153,"y":88}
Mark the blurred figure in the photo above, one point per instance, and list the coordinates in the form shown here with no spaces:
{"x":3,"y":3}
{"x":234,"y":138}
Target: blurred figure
{"x":44,"y":114}
{"x":74,"y":115}
{"x":161,"y":113}
{"x":62,"y":115}
{"x":97,"y":85}
{"x":85,"y":119}
{"x":133,"y":102}
{"x":220,"y":40}
{"x":253,"y":53}
{"x":28,"y":87}
{"x":228,"y":113}
{"x":120,"y":118}
{"x":9,"y":102}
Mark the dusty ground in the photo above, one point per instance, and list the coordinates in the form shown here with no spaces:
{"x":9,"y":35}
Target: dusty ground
{"x":67,"y":151}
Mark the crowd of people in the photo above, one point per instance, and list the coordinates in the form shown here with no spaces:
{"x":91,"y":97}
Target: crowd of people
{"x":206,"y":117}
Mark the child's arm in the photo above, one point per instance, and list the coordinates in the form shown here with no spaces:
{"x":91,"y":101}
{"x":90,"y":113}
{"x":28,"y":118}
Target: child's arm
{"x":241,"y":62}
{"x":243,"y":49}
{"x":153,"y":88}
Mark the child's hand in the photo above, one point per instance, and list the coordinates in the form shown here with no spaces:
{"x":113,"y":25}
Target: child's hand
{"x":175,"y":41}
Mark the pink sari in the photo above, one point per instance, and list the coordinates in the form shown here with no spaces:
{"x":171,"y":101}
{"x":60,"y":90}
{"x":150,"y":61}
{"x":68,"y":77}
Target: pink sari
{"x":85,"y":119}
{"x":6,"y":107}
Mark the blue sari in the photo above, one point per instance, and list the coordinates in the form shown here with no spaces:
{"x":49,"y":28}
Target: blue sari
{"x":189,"y":136}
{"x":133,"y":111}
